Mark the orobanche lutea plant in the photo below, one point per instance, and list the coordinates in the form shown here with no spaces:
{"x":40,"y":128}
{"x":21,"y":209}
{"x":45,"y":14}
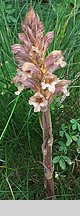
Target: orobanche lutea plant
{"x":36,"y":71}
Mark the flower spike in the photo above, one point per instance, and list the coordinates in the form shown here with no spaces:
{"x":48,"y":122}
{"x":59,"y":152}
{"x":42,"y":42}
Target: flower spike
{"x":35,"y":71}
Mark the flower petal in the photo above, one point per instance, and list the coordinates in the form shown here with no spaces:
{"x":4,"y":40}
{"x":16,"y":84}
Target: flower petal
{"x":16,"y":79}
{"x":54,"y":61}
{"x":20,"y":80}
{"x":31,"y":35}
{"x":16,"y":48}
{"x":20,"y":89}
{"x":38,"y":101}
{"x":30,"y":67}
{"x":48,"y":39}
{"x":62,"y":86}
{"x":39,"y":43}
{"x":37,"y":108}
{"x":52,"y":87}
{"x":24,"y":40}
{"x":49,"y":81}
{"x":20,"y":54}
{"x":39,"y":24}
{"x":30,"y":84}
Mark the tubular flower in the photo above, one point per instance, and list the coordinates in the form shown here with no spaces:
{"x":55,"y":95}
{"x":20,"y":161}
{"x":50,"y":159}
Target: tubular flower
{"x":38,"y":101}
{"x":62,"y":86}
{"x":35,"y":70}
{"x":54,"y":61}
{"x":49,"y":82}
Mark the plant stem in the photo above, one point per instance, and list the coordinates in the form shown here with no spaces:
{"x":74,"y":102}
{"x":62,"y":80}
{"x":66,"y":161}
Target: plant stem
{"x":47,"y":153}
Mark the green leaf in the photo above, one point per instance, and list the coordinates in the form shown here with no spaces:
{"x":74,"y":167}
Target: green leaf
{"x":62,"y":163}
{"x":61,"y":143}
{"x":73,"y":121}
{"x":74,"y":138}
{"x":63,"y":127}
{"x":78,"y":149}
{"x":62,"y":147}
{"x":78,"y":126}
{"x":61,"y":133}
{"x":56,"y":159}
{"x":52,"y":106}
{"x":61,"y":106}
{"x":78,"y":141}
{"x":8,"y":7}
{"x":74,"y":126}
{"x":67,"y":159}
{"x":11,"y":11}
{"x":12,"y":19}
{"x":69,"y":139}
{"x":65,"y":149}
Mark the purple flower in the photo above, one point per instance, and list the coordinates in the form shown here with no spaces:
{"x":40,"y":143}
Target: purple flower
{"x":35,"y":70}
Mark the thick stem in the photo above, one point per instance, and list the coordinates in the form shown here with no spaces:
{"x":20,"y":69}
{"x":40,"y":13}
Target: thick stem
{"x":47,"y":153}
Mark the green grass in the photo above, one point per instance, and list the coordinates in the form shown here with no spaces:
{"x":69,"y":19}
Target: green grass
{"x":21,"y":170}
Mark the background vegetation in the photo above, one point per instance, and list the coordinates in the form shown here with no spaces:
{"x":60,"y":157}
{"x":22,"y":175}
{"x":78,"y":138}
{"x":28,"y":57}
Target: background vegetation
{"x":21,"y":170}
